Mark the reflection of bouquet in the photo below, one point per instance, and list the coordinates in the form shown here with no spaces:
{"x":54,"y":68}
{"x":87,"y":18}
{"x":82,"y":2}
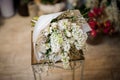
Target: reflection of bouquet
{"x":61,"y":38}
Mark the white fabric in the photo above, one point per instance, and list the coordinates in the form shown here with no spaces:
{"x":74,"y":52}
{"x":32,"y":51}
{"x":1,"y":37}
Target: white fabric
{"x":42,"y":22}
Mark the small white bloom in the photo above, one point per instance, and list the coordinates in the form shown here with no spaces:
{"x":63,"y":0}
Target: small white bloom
{"x":77,"y":45}
{"x":55,"y":44}
{"x":76,"y":32}
{"x":65,"y":59}
{"x":66,"y":46}
{"x":54,"y":25}
{"x":71,"y":40}
{"x":68,"y":34}
{"x":63,"y":24}
{"x":73,"y":24}
{"x":82,"y":38}
{"x":55,"y":47}
{"x":46,"y":31}
{"x":50,"y":30}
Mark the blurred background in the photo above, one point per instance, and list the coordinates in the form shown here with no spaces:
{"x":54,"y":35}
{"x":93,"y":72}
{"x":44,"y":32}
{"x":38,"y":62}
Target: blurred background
{"x":102,"y":59}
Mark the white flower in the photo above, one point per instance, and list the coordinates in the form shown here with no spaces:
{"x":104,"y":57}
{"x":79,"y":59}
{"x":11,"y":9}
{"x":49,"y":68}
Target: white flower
{"x":77,"y":45}
{"x":76,"y":32}
{"x":50,"y":30}
{"x":83,"y":38}
{"x":54,"y":25}
{"x":68,"y":34}
{"x":63,"y":24}
{"x":79,"y":36}
{"x":73,"y":24}
{"x":47,"y":31}
{"x":65,"y":59}
{"x":55,"y":40}
{"x":66,"y":46}
{"x":71,"y":40}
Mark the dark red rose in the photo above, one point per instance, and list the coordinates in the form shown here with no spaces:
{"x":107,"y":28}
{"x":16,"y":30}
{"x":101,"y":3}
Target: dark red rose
{"x":92,"y":23}
{"x":91,"y":14}
{"x":100,"y":11}
{"x":97,"y":11}
{"x":107,"y":23}
{"x":93,"y":33}
{"x":106,"y":30}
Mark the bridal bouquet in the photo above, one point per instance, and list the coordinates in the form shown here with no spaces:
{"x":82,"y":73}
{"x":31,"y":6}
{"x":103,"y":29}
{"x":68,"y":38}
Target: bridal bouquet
{"x":60,"y":37}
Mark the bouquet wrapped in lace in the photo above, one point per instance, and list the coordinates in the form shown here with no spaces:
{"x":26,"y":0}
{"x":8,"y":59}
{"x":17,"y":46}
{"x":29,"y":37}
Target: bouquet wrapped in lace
{"x":60,"y":37}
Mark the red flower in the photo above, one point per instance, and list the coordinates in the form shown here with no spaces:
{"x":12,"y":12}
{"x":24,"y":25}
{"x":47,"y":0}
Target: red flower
{"x":107,"y":23}
{"x":92,"y":23}
{"x":91,"y":14}
{"x":97,"y":11}
{"x":97,"y":23}
{"x":106,"y":30}
{"x":93,"y":33}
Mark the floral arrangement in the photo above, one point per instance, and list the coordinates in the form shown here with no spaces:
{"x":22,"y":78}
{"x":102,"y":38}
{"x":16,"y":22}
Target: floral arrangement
{"x":99,"y":23}
{"x":103,"y":16}
{"x":62,"y":39}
